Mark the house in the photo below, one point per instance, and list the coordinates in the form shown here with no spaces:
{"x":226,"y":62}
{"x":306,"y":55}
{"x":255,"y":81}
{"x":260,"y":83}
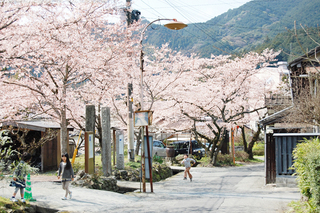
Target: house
{"x":46,"y":157}
{"x":281,"y":137}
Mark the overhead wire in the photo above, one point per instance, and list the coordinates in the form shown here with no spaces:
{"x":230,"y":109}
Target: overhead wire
{"x":208,"y":16}
{"x":173,"y":6}
{"x":204,"y":30}
{"x":182,"y":10}
{"x":153,"y":8}
{"x":261,"y":28}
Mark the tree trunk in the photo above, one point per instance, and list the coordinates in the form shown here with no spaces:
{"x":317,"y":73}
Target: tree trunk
{"x":64,"y":137}
{"x":253,"y":140}
{"x":64,"y":132}
{"x":245,"y":144}
{"x":138,"y":143}
{"x":216,"y":152}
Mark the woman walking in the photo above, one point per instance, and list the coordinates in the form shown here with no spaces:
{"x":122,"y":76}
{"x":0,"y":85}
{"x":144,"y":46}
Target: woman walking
{"x":66,"y":171}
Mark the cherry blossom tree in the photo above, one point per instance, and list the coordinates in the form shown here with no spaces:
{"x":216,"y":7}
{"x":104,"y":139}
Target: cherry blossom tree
{"x":57,"y":49}
{"x":63,"y":56}
{"x":215,"y":93}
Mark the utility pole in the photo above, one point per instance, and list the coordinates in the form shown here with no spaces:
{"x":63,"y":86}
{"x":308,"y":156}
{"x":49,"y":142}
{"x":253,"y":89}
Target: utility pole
{"x":127,"y":10}
{"x":130,"y":127}
{"x":130,"y":124}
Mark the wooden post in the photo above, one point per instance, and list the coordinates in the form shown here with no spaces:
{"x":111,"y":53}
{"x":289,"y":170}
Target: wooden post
{"x":232,"y":145}
{"x":114,"y":139}
{"x":149,"y":159}
{"x":90,"y":139}
{"x":143,"y":160}
{"x":89,"y":153}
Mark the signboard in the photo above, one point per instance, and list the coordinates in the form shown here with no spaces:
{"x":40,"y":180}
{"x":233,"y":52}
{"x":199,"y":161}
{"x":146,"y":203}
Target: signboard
{"x":91,"y":146}
{"x":89,"y":152}
{"x":121,"y":152}
{"x":142,"y":118}
{"x":146,"y":162}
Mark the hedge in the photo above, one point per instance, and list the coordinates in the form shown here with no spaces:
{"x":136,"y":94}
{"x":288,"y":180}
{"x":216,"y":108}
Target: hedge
{"x":307,"y":168}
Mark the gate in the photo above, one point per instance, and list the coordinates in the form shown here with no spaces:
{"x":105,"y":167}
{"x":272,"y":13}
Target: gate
{"x":270,"y":159}
{"x":285,"y":143}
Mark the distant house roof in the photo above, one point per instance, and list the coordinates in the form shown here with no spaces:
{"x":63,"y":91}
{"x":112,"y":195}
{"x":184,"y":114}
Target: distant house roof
{"x":310,"y":54}
{"x":37,"y":125}
{"x":275,"y":117}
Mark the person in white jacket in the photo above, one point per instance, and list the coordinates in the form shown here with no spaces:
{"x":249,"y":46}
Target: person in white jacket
{"x":187,"y":163}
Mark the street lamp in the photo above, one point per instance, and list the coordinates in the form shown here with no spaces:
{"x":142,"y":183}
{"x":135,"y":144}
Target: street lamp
{"x":175,"y":25}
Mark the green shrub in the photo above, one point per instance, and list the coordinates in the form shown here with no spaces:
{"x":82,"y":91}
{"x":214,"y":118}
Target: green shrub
{"x":158,"y":159}
{"x":224,"y":160}
{"x":132,"y":165}
{"x":258,"y":149}
{"x":241,"y":156}
{"x":307,"y":166}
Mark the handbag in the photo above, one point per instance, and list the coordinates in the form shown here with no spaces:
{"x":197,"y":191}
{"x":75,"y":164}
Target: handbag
{"x":18,"y":184}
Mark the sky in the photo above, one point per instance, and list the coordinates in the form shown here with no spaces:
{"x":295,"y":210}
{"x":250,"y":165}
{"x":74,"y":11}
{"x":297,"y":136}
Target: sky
{"x":187,"y":11}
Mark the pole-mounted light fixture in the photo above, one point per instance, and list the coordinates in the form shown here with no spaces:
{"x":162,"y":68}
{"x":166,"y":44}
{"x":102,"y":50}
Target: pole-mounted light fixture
{"x":175,"y":25}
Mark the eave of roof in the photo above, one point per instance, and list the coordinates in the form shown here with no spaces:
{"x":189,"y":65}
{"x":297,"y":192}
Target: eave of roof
{"x":37,"y":125}
{"x":274,"y":117}
{"x":303,"y":57}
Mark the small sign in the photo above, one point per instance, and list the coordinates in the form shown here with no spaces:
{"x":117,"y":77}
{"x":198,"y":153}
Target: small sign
{"x":143,"y":118}
{"x":121,"y":145}
{"x":91,"y":146}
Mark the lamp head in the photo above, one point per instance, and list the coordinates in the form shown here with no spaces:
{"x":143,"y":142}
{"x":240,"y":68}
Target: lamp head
{"x":175,"y":25}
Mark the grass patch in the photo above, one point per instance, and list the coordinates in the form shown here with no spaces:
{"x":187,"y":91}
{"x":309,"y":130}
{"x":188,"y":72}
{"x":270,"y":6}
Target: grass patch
{"x":298,"y":207}
{"x":6,"y":204}
{"x":132,"y":165}
{"x":80,"y":161}
{"x":205,"y":161}
{"x":256,"y":160}
{"x":227,"y":160}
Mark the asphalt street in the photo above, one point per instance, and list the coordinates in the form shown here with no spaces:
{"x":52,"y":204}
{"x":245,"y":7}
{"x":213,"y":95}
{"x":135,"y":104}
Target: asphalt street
{"x":219,"y":189}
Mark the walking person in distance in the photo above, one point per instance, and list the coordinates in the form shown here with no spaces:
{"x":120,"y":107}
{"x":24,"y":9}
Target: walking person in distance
{"x":66,"y":174}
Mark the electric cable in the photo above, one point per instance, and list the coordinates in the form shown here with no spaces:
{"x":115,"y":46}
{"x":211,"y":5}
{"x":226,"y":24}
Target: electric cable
{"x":200,"y":29}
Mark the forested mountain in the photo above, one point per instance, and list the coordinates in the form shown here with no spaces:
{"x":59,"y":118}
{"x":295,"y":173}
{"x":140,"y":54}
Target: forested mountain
{"x":292,"y":43}
{"x":248,"y":27}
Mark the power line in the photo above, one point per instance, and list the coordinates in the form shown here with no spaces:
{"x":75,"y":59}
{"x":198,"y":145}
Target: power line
{"x":173,"y":6}
{"x":153,"y":9}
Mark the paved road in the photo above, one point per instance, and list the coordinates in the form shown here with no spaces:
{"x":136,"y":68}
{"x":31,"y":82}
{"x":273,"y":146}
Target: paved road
{"x":232,"y":189}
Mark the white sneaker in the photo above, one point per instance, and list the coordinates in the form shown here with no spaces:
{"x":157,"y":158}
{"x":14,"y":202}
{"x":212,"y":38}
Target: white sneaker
{"x":13,"y":199}
{"x":70,"y":194}
{"x":63,"y":198}
{"x":23,"y":200}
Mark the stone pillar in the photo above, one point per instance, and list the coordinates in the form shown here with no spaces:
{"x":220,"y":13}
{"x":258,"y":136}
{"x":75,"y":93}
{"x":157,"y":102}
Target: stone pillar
{"x":120,"y":149}
{"x":106,"y":141}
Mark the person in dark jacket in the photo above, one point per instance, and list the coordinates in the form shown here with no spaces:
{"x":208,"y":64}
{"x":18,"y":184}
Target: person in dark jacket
{"x":66,"y":172}
{"x":19,"y":177}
